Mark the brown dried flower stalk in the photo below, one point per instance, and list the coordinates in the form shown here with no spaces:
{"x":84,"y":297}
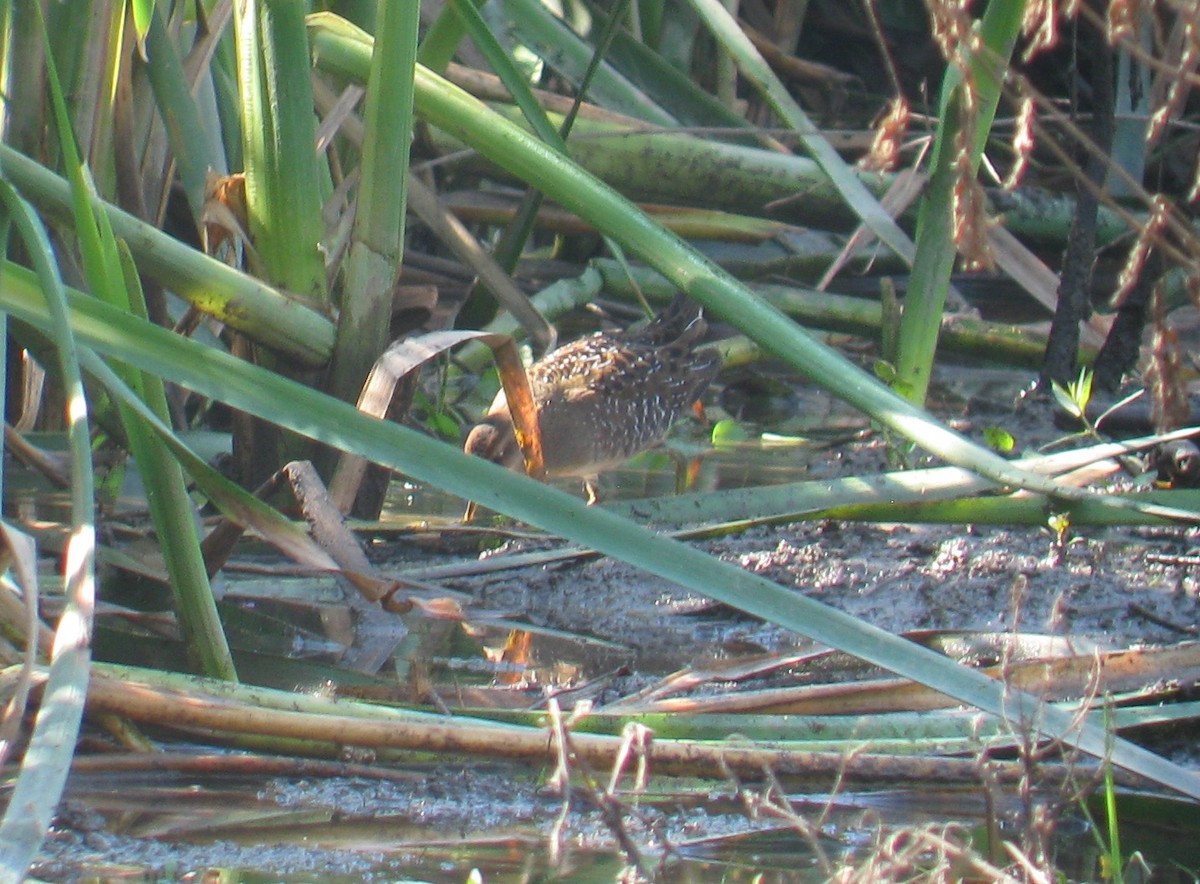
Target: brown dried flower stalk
{"x":889,"y":137}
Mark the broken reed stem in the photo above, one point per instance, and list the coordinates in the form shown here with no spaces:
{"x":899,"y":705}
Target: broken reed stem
{"x":375,"y":727}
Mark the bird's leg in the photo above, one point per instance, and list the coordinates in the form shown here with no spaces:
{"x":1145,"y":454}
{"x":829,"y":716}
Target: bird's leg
{"x":592,"y":489}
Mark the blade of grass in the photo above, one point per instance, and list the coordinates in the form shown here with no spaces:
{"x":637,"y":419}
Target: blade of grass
{"x":564,"y":51}
{"x":43,"y":773}
{"x":173,"y":513}
{"x":115,"y":281}
{"x":5,"y":227}
{"x":651,"y":13}
{"x":442,"y":39}
{"x":936,"y":251}
{"x":190,"y":142}
{"x":283,"y":197}
{"x":20,"y":619}
{"x":506,"y":69}
{"x":663,"y":81}
{"x":142,"y":12}
{"x":377,"y":238}
{"x":85,"y":45}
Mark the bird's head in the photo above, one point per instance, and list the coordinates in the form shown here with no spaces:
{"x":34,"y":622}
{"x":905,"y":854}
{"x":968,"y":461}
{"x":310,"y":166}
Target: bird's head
{"x":494,"y":439}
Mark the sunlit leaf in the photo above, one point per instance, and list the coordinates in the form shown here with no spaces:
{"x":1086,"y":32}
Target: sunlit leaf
{"x":728,"y":432}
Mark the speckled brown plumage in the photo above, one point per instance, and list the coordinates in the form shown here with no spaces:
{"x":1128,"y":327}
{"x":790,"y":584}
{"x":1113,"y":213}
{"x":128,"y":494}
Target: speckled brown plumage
{"x":604,"y":398}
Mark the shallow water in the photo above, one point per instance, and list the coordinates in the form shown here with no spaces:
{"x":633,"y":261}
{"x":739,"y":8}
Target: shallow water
{"x":440,"y":823}
{"x":602,"y":623}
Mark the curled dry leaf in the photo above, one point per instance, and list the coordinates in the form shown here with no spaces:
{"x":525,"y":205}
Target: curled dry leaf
{"x":435,"y":609}
{"x":224,"y":217}
{"x":409,"y":354}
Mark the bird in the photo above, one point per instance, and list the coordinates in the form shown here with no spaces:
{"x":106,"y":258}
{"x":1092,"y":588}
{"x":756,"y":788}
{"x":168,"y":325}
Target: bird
{"x":603,"y":398}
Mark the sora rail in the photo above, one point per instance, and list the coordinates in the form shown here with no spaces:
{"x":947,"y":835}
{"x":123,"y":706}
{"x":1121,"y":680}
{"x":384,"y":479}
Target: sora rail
{"x":604,"y":398}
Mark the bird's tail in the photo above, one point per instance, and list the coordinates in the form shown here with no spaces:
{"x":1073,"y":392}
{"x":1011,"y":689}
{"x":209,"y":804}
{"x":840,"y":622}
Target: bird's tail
{"x":680,"y":321}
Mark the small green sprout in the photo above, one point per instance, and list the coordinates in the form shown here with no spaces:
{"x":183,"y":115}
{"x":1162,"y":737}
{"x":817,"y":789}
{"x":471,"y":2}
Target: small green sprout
{"x":1075,"y":396}
{"x":1060,"y":524}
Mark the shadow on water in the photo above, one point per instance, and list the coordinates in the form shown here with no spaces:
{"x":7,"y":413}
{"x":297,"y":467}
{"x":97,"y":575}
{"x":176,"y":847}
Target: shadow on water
{"x":439,"y":823}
